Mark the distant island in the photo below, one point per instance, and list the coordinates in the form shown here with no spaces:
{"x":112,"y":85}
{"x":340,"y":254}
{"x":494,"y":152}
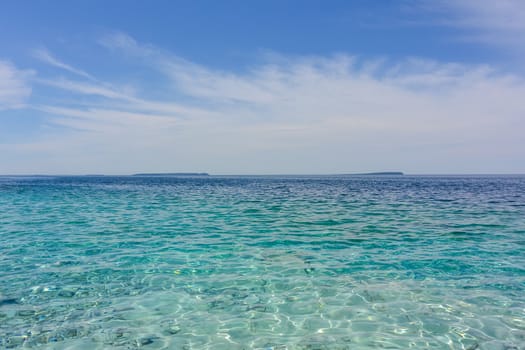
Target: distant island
{"x":381,"y":173}
{"x":171,"y":174}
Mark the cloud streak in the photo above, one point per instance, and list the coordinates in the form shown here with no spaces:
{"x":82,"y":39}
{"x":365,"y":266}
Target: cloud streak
{"x":14,"y":86}
{"x":46,"y":57}
{"x":500,"y":23}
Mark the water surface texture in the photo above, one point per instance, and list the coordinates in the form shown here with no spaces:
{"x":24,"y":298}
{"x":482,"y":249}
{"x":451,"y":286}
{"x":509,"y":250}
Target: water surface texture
{"x":262,"y":263}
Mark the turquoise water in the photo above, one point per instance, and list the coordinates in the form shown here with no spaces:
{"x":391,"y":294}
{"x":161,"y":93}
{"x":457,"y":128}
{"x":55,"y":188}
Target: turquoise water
{"x":262,"y":263}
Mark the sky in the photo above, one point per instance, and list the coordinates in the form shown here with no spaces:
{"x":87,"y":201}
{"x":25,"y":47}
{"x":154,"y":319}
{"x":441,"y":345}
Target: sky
{"x":262,"y":87}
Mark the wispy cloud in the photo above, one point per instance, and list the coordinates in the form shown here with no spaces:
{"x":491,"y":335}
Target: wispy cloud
{"x":292,"y":115}
{"x":100,"y":89}
{"x":494,"y":22}
{"x":14,"y":86}
{"x":124,"y":42}
{"x":45,"y":56}
{"x":501,"y":15}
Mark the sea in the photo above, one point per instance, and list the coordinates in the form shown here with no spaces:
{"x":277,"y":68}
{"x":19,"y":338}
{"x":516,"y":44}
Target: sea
{"x":262,"y":262}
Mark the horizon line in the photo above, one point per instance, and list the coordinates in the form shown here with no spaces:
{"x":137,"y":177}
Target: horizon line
{"x":205,"y":174}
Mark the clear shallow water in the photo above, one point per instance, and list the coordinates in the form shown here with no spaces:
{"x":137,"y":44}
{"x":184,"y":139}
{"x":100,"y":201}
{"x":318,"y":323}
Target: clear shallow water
{"x":262,"y":263}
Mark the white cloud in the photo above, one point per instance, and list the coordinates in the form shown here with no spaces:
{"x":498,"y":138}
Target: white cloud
{"x":14,"y":87}
{"x":122,"y":41}
{"x":289,"y":115}
{"x":500,"y":15}
{"x":45,"y":56}
{"x":495,"y":22}
{"x":99,"y":89}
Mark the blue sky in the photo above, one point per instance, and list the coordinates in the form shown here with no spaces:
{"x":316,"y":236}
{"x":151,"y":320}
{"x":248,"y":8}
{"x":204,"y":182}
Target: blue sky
{"x":262,"y":87}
